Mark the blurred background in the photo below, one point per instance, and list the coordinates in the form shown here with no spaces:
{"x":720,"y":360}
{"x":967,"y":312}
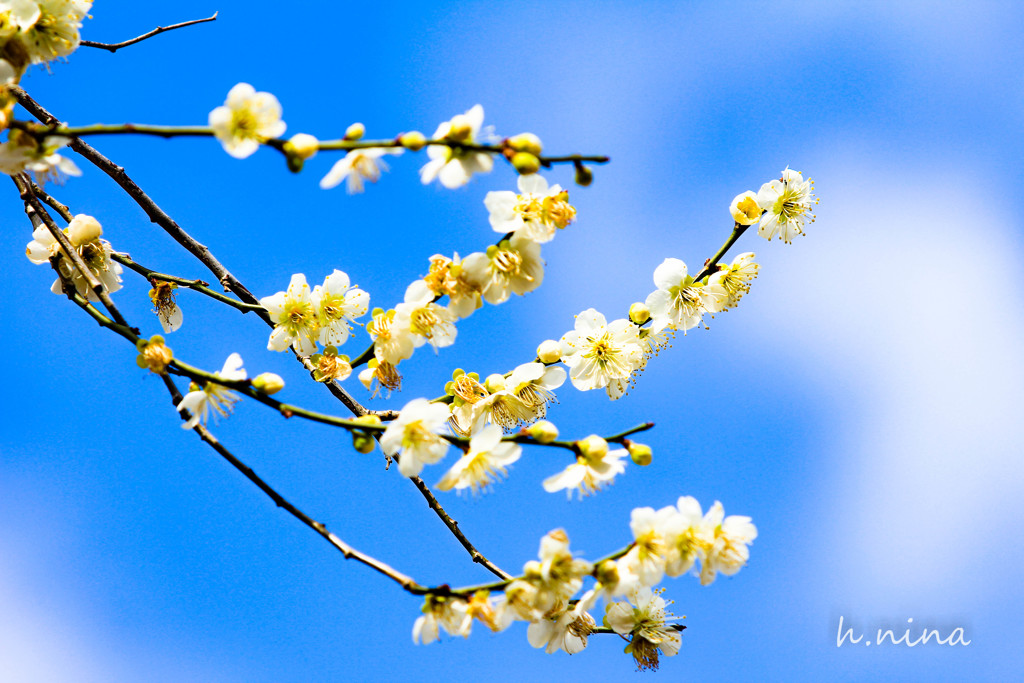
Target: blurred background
{"x":859,"y":404}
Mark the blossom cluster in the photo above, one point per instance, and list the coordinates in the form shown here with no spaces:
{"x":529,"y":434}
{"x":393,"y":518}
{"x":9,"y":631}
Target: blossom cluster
{"x":671,"y":541}
{"x":34,"y":32}
{"x":83,"y":234}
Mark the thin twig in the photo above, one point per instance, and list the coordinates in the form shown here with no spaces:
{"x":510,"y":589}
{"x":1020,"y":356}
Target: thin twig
{"x":453,"y":526}
{"x":114,"y":47}
{"x":195,"y":285}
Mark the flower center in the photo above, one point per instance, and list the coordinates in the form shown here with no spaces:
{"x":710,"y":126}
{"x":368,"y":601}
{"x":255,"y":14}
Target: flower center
{"x":508,"y":261}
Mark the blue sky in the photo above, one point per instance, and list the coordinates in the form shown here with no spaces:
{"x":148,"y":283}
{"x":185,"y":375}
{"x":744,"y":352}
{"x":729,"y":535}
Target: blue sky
{"x":860,"y":405}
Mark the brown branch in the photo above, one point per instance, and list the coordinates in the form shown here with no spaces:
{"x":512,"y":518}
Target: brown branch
{"x":453,"y":526}
{"x":114,"y":47}
{"x":231,"y":283}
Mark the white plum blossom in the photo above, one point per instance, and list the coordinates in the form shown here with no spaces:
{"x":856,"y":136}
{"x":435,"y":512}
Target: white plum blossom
{"x":338,"y":306}
{"x":735,"y":278}
{"x":246,"y":119}
{"x":84,"y":234}
{"x":787,"y":203}
{"x":441,"y":612}
{"x":447,"y":277}
{"x":212,"y":398}
{"x":415,"y":435}
{"x":358,"y":165}
{"x":294,"y":314}
{"x":535,"y":213}
{"x":511,"y":266}
{"x":649,"y":627}
{"x":46,"y":29}
{"x":595,"y":466}
{"x":425,"y":320}
{"x":646,"y":559}
{"x":166,"y":308}
{"x":567,"y":631}
{"x":687,"y":537}
{"x":21,"y":152}
{"x":728,"y":552}
{"x":598,"y":352}
{"x":534,"y":385}
{"x":392,"y":341}
{"x":483,"y":464}
{"x":547,"y":585}
{"x":679,"y":302}
{"x":453,"y":166}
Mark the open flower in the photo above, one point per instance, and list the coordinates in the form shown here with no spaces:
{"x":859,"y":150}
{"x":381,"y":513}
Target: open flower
{"x":441,"y":612}
{"x":728,"y":552}
{"x":535,"y":213}
{"x":549,"y":583}
{"x":454,"y":166}
{"x":787,"y":203}
{"x":213,"y":397}
{"x":246,"y":119}
{"x":646,"y":559}
{"x":509,"y":266}
{"x":735,"y":278}
{"x":679,"y":302}
{"x":534,"y":385}
{"x":425,"y":320}
{"x":337,"y":308}
{"x":46,"y":29}
{"x":649,"y":627}
{"x":483,"y":464}
{"x":598,"y":352}
{"x":415,"y":434}
{"x":567,"y":631}
{"x":162,"y":296}
{"x":22,"y":152}
{"x":84,"y":234}
{"x":294,"y":314}
{"x":392,"y":340}
{"x":358,"y":165}
{"x":595,"y":467}
{"x":447,"y":276}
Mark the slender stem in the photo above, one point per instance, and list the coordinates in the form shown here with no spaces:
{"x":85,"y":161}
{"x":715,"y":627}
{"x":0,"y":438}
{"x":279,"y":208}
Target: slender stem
{"x":114,"y":47}
{"x":346,"y":550}
{"x":453,"y":526}
{"x":709,"y":267}
{"x":162,"y":219}
{"x":97,"y":287}
{"x":195,"y":285}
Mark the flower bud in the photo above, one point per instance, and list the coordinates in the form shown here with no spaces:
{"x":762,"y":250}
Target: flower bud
{"x":355,"y":131}
{"x":302,"y":146}
{"x":593,"y":447}
{"x":413,"y":141}
{"x":363,"y":442}
{"x":526,"y":142}
{"x":154,"y":355}
{"x":744,"y":209}
{"x":84,"y":229}
{"x":607,"y":574}
{"x":460,"y":129}
{"x":584,"y":176}
{"x":542,"y":432}
{"x":639,"y":453}
{"x":525,"y":163}
{"x":268,"y":383}
{"x":494,"y":383}
{"x":639,"y":313}
{"x":549,"y":351}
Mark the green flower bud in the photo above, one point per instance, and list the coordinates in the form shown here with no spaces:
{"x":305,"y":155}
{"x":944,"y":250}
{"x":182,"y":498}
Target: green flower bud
{"x":593,"y":447}
{"x":526,"y":142}
{"x":268,"y":383}
{"x":84,"y":229}
{"x":542,"y":432}
{"x":639,"y":453}
{"x":413,"y":141}
{"x":355,"y":131}
{"x":584,"y":176}
{"x":302,"y":146}
{"x":494,"y":383}
{"x":639,"y":313}
{"x":525,"y":163}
